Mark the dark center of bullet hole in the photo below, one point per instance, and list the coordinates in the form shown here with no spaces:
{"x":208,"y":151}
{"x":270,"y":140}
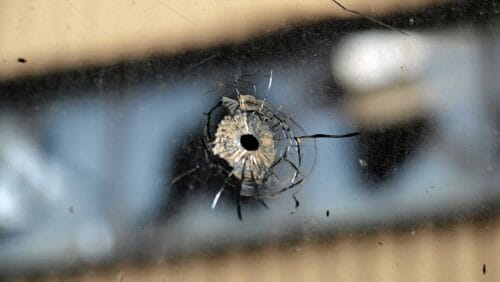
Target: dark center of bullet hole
{"x":327,"y":213}
{"x":484,"y":268}
{"x":21,"y":60}
{"x":249,"y":142}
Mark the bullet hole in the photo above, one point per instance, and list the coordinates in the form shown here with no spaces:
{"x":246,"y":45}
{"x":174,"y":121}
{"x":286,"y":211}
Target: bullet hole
{"x":249,"y":142}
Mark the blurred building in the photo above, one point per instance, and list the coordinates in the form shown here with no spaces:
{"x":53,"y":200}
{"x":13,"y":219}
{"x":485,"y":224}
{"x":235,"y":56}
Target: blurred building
{"x":99,"y":114}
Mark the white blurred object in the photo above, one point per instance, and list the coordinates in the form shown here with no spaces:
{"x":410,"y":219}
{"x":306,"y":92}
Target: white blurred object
{"x":23,"y":175}
{"x":391,"y":77}
{"x":374,"y":60}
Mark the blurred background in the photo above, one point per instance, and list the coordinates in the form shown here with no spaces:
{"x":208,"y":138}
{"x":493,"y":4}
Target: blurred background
{"x":102,"y":104}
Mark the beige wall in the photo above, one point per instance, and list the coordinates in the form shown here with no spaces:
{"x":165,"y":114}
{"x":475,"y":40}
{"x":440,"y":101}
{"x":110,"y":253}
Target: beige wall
{"x":61,"y":34}
{"x":454,"y":252}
